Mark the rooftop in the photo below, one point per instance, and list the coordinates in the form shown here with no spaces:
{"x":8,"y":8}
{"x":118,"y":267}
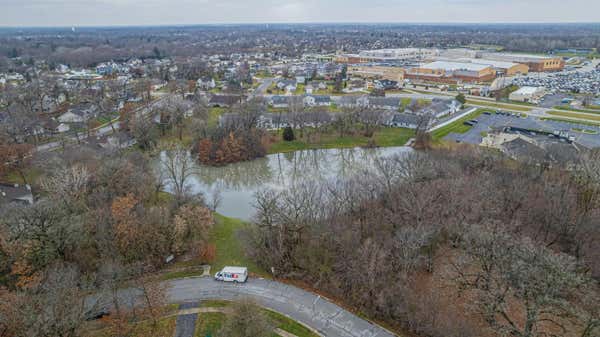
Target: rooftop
{"x":528,"y":90}
{"x":491,"y":63}
{"x":454,"y":66}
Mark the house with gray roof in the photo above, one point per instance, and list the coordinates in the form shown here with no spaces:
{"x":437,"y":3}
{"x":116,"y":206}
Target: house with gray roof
{"x":404,"y":120}
{"x":317,"y":100}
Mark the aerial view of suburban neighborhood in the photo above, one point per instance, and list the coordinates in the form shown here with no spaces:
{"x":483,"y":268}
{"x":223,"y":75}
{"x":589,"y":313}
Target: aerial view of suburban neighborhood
{"x":299,"y":168}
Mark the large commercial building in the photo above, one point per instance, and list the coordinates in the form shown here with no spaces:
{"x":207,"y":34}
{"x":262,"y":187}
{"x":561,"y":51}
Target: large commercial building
{"x":388,"y":55}
{"x":528,"y":94}
{"x":501,"y":67}
{"x":452,"y":72}
{"x":536,"y":63}
{"x":376,"y":72}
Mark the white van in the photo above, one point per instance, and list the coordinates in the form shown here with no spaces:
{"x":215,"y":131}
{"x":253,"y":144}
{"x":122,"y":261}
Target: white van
{"x":232,"y":274}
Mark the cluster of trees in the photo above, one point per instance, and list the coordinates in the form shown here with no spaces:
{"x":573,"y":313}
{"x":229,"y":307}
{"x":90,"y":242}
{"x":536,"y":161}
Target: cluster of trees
{"x":236,"y":138}
{"x":93,"y":45}
{"x":459,"y":243}
{"x":99,"y":224}
{"x":227,"y":146}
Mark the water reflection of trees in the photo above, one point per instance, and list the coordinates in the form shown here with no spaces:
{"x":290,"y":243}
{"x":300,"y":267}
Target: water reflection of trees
{"x":282,"y":169}
{"x":244,"y":175}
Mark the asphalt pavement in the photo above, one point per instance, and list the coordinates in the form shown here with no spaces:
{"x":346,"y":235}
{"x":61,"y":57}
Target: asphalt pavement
{"x":317,"y":313}
{"x":487,"y":122}
{"x":186,"y":324}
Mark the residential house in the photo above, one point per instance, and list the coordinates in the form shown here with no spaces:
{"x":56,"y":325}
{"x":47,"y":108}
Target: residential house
{"x":389,"y":103}
{"x":206,"y":83}
{"x":272,"y":121}
{"x":79,"y":114}
{"x":316,"y":100}
{"x":107,"y":68}
{"x":300,"y":80}
{"x":283,"y":83}
{"x":441,"y":107}
{"x":405,"y":120}
{"x":224,"y":100}
{"x":309,"y":89}
{"x":279,"y":101}
{"x":354,"y":101}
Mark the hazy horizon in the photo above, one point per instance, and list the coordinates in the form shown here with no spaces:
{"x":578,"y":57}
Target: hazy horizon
{"x":107,"y":13}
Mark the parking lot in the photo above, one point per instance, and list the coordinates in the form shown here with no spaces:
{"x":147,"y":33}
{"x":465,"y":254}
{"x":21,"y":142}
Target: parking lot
{"x":578,"y":82}
{"x":550,"y":101}
{"x":494,"y":121}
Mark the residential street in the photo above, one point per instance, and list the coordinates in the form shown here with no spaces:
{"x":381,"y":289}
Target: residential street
{"x":312,"y":310}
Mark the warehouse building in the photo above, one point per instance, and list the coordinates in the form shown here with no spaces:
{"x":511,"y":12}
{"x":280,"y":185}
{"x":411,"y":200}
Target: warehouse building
{"x":452,"y":72}
{"x":388,"y":55}
{"x":501,"y":67}
{"x":374,"y":72}
{"x":536,"y":63}
{"x":528,"y":94}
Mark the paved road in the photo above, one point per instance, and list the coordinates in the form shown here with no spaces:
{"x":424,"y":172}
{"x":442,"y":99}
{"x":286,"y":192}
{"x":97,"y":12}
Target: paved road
{"x":186,"y":324}
{"x":104,"y":130}
{"x":315,"y":312}
{"x":261,"y":90}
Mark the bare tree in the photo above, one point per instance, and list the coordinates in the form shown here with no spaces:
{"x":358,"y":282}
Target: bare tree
{"x":500,"y":268}
{"x":246,"y":320}
{"x":179,"y":167}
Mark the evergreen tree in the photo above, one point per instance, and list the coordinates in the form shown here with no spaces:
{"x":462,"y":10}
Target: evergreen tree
{"x":288,"y":134}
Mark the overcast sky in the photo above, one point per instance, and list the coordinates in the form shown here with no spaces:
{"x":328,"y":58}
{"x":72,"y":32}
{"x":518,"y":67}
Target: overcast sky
{"x":166,"y":12}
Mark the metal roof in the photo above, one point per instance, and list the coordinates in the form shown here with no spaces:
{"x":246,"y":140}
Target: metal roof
{"x":454,"y":66}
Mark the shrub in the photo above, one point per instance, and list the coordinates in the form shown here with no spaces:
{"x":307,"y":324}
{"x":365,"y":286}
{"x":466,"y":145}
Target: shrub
{"x":288,"y":134}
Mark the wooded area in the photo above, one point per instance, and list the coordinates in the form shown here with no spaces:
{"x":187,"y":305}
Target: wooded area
{"x":446,"y":243}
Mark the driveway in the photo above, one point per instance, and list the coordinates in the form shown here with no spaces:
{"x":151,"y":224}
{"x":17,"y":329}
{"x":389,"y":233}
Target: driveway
{"x":186,"y":324}
{"x":309,"y":309}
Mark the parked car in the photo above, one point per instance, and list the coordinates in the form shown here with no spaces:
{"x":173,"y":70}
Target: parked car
{"x":232,"y":274}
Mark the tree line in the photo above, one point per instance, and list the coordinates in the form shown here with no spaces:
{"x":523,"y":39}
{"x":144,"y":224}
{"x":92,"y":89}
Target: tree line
{"x":445,"y":243}
{"x":101,"y":223}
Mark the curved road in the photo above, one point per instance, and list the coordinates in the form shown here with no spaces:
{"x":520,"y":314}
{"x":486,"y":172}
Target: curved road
{"x":319,"y":314}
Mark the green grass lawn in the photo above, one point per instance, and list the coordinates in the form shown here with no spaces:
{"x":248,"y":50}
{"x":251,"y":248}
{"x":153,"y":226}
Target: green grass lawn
{"x":229,"y":248}
{"x":300,"y":89}
{"x":586,"y":131}
{"x":32,"y":175}
{"x":567,"y":108}
{"x":590,"y":123}
{"x":229,"y":251}
{"x":289,"y":325}
{"x":213,"y":115}
{"x":210,"y":323}
{"x":590,"y":117}
{"x":384,"y":137}
{"x":509,"y":106}
{"x":456,"y":126}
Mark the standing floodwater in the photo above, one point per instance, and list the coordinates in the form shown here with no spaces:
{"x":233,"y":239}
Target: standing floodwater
{"x":238,"y":182}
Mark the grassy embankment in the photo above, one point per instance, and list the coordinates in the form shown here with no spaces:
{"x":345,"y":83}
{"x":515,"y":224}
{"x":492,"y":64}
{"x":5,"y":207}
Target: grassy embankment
{"x":586,"y":116}
{"x":330,"y":139}
{"x":592,"y":110}
{"x":210,"y":323}
{"x":503,"y":106}
{"x":456,"y":126}
{"x":229,"y":251}
{"x":585,"y":131}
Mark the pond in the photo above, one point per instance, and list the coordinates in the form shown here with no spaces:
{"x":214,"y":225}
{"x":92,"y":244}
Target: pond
{"x":237,"y":183}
